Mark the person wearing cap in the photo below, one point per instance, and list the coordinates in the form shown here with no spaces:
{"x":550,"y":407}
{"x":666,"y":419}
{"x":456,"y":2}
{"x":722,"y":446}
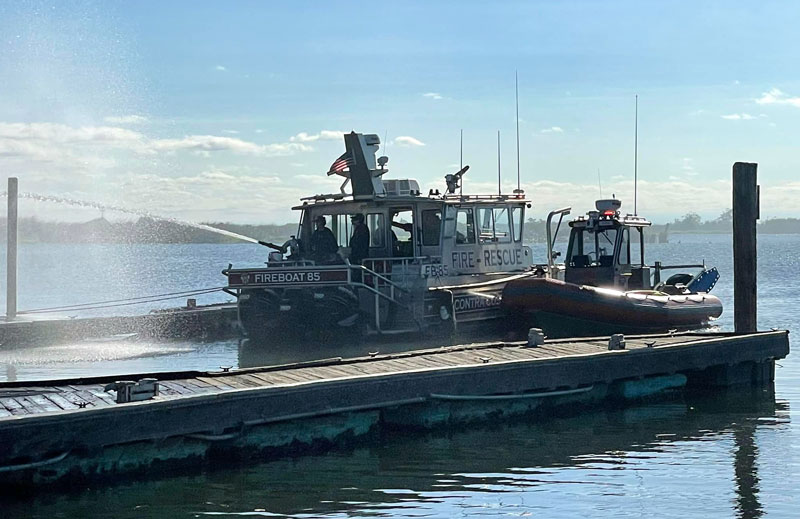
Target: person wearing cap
{"x":323,"y":243}
{"x":359,"y":240}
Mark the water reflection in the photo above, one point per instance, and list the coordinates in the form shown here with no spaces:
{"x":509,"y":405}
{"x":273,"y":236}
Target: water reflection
{"x":746,"y":471}
{"x":668,"y":459}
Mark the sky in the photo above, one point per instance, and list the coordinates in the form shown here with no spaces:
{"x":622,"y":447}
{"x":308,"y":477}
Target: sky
{"x":212,"y":111}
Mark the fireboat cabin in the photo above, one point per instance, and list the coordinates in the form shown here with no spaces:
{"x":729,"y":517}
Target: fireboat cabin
{"x":434,"y":261}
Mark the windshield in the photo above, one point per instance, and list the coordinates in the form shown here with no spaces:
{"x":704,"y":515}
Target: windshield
{"x":592,"y":247}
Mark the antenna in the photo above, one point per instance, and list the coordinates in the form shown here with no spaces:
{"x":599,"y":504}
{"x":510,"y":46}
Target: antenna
{"x":516,"y":98}
{"x":461,"y":162}
{"x":599,"y":185}
{"x":636,"y":156}
{"x":499,"y":190}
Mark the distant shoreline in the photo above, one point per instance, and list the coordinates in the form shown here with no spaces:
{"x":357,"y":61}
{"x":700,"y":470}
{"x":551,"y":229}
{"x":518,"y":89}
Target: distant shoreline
{"x":148,"y":230}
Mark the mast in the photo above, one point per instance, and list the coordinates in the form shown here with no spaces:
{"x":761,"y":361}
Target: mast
{"x":461,"y":163}
{"x":516,"y":99}
{"x":499,"y":190}
{"x":636,"y":156}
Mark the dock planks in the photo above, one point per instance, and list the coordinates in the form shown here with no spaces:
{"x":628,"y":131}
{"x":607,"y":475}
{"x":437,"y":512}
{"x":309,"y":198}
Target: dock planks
{"x":41,"y":419}
{"x":67,"y":396}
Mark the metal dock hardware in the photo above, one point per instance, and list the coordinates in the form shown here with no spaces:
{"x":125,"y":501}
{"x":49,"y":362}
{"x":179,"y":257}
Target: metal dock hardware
{"x":130,"y":391}
{"x":535,"y":337}
{"x":616,"y":342}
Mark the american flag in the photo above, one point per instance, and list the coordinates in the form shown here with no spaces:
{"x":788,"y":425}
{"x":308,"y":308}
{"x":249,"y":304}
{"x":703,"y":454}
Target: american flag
{"x":340,"y":164}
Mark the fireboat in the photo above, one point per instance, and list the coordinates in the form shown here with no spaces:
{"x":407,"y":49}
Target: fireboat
{"x":434,"y":261}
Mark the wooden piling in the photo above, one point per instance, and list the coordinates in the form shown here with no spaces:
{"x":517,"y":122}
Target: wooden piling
{"x":745,"y":214}
{"x":11,"y":251}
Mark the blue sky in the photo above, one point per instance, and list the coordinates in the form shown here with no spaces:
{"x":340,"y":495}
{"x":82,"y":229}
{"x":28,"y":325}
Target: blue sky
{"x":212,"y":111}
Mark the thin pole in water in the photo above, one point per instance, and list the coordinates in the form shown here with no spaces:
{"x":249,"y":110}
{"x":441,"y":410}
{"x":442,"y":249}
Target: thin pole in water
{"x":636,"y":157}
{"x":516,"y":98}
{"x":499,"y":190}
{"x":11,"y":250}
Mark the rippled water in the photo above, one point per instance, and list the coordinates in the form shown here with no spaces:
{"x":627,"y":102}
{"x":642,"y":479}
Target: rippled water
{"x":723,"y":454}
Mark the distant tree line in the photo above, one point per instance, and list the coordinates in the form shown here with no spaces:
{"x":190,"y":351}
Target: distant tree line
{"x":148,"y":230}
{"x":693,"y":223}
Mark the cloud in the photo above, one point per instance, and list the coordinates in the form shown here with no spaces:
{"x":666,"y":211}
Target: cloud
{"x":231,"y":132}
{"x":126,"y":119}
{"x":66,"y":134}
{"x":687,"y":166}
{"x":433,"y":95}
{"x":553,"y":129}
{"x":324,"y":135}
{"x":49,"y":141}
{"x":777,"y":97}
{"x":406,"y":141}
{"x":220,"y":68}
{"x":738,"y":117}
{"x":215,"y":143}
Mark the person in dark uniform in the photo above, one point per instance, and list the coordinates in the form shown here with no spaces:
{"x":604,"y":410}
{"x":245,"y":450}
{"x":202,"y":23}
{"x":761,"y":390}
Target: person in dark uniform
{"x":359,"y":241}
{"x":323,"y":243}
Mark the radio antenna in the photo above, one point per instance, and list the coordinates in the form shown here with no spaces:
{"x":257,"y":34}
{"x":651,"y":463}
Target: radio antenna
{"x":636,"y":156}
{"x":461,"y":163}
{"x":499,"y":190}
{"x":599,"y":184}
{"x":516,"y":99}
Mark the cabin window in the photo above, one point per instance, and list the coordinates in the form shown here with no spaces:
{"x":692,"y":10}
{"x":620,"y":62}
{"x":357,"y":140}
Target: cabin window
{"x":494,"y":224}
{"x":465,"y":227}
{"x":402,"y":233}
{"x":637,"y":247}
{"x":431,"y":226}
{"x":502,"y":225}
{"x":590,"y":248}
{"x":516,"y":219}
{"x":377,"y":229}
{"x":606,"y":241}
{"x":485,"y":224}
{"x":625,"y":247}
{"x":341,"y":227}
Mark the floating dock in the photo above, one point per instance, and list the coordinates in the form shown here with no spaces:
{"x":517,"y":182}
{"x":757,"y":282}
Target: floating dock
{"x":65,"y":430}
{"x":217,"y":321}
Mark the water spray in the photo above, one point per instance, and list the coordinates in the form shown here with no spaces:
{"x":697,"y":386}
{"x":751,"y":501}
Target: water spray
{"x":135,"y":212}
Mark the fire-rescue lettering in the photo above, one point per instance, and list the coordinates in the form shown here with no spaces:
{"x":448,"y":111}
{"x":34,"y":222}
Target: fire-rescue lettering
{"x":463,"y":260}
{"x":491,"y":258}
{"x":502,"y":257}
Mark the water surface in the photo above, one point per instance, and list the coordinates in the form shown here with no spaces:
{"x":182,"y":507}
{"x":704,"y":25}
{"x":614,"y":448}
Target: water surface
{"x":724,"y":454}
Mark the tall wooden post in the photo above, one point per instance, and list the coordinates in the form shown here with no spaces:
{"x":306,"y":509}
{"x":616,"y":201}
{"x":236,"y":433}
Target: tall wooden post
{"x":11,"y":251}
{"x":745,"y":214}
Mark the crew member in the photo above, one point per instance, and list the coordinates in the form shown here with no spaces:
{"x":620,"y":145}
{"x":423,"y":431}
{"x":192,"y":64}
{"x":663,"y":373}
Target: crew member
{"x":359,"y":241}
{"x":323,"y":243}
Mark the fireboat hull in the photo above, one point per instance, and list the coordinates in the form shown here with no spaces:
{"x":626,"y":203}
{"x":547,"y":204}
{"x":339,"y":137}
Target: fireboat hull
{"x":345,"y":310}
{"x":569,"y":310}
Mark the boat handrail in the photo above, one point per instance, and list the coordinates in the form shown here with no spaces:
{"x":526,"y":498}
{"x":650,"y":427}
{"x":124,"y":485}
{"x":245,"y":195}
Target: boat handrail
{"x":562,"y":212}
{"x":404,"y":262}
{"x":365,"y":270}
{"x":375,"y":290}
